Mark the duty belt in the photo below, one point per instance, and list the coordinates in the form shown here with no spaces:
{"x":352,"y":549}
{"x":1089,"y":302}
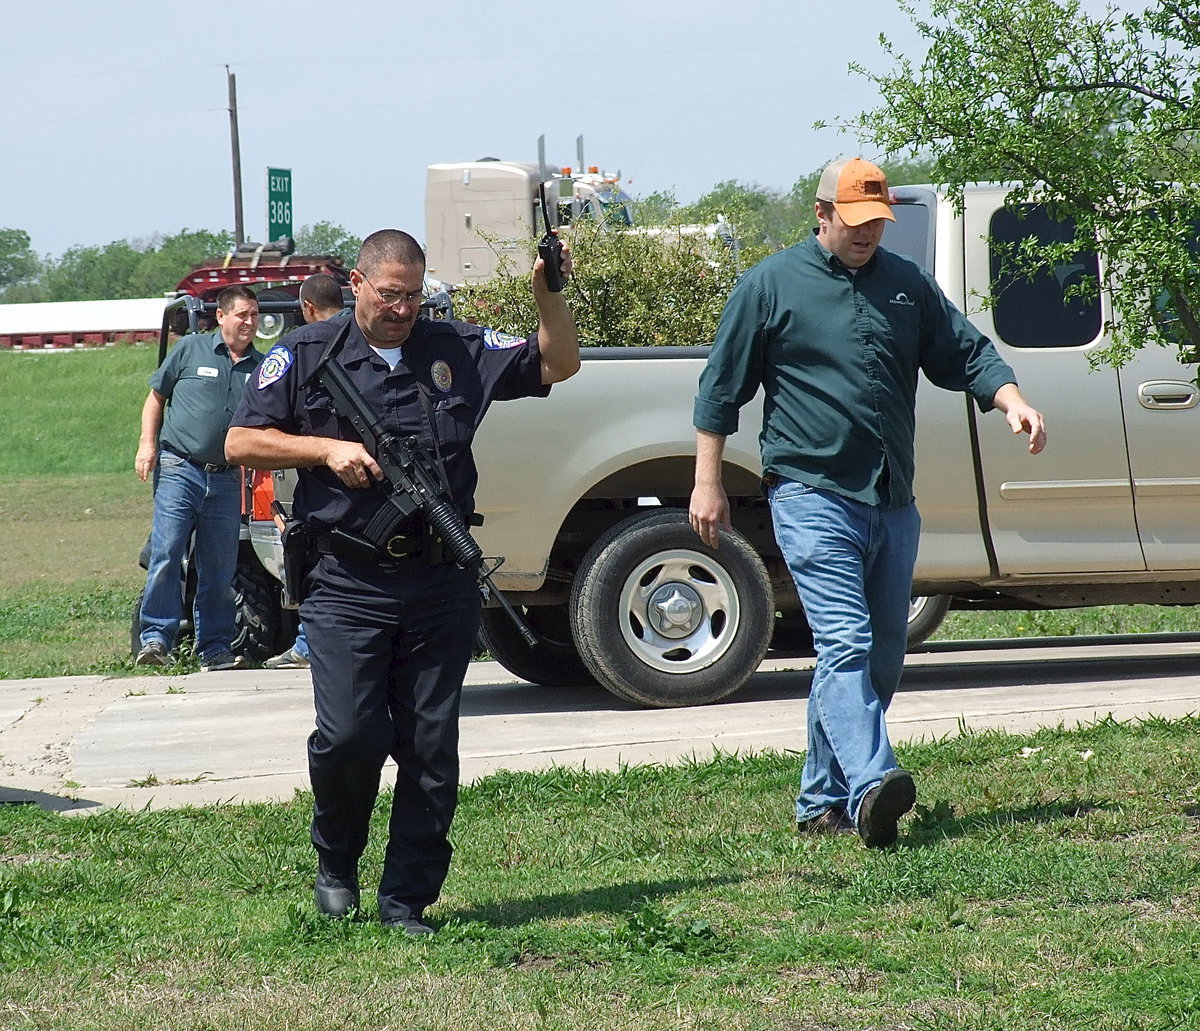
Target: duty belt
{"x":354,"y":548}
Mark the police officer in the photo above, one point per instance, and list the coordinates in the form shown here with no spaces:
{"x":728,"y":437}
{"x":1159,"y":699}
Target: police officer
{"x":391,"y":624}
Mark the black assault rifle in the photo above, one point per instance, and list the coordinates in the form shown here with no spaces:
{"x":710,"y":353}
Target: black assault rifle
{"x":416,"y":484}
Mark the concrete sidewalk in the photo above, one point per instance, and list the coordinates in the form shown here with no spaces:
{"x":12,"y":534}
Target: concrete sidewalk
{"x":79,"y":743}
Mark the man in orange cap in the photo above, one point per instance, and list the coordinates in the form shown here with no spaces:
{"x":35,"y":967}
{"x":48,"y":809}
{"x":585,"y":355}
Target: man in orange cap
{"x":835,"y":330}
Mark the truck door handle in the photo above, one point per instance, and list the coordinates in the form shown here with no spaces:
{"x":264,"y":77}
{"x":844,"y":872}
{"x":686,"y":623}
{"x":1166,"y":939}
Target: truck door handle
{"x":1168,"y":394}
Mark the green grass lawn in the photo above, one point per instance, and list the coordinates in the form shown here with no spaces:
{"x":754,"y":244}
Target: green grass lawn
{"x":73,"y":514}
{"x":1047,"y":881}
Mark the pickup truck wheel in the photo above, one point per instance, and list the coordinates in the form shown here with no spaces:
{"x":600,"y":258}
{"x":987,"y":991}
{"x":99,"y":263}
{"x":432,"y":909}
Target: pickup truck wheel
{"x":925,"y":615}
{"x":257,"y":616}
{"x":662,"y":620}
{"x":554,"y":662}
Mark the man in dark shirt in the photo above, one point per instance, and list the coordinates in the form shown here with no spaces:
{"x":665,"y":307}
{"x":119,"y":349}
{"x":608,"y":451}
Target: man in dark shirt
{"x":193,"y":395}
{"x":391,"y":625}
{"x":835,"y":330}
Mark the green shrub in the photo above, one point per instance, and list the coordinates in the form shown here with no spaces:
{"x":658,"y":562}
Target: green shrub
{"x":629,"y":289}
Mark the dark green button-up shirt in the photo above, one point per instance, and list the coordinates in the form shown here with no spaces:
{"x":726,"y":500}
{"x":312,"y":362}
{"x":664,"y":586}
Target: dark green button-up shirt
{"x":837,"y":353}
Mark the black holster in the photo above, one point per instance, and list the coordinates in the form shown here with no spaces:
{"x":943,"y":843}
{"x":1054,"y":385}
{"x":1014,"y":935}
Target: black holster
{"x":299,"y":557}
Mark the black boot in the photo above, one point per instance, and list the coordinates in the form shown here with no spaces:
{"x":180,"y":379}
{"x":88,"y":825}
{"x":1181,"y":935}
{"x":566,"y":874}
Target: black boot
{"x":336,"y":895}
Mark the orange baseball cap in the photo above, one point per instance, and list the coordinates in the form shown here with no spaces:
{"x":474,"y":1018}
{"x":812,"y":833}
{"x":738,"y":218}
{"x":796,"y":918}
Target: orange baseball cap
{"x":857,"y":189}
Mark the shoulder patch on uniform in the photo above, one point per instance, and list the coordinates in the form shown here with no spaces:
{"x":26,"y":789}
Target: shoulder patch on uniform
{"x":494,"y":340}
{"x":274,"y":366}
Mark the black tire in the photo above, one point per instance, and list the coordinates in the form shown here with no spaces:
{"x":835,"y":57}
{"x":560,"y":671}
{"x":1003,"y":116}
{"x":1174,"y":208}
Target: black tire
{"x":925,"y":615}
{"x":792,"y":634}
{"x":554,"y":662}
{"x":722,"y":597}
{"x":258,"y":615}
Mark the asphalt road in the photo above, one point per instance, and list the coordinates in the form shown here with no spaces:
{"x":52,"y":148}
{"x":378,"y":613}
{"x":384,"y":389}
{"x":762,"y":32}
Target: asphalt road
{"x":83,"y":743}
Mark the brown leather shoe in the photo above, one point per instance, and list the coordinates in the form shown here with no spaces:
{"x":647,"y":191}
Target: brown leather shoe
{"x":832,"y":821}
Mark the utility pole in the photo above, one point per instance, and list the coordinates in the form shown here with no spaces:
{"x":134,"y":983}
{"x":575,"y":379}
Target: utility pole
{"x":239,"y":234}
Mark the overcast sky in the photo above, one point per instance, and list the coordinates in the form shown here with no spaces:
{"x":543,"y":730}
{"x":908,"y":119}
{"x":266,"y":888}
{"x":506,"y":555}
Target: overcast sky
{"x":116,"y":124}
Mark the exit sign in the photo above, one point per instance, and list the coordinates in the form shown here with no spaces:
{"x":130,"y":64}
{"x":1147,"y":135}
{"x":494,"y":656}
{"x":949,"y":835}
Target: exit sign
{"x":279,"y":203}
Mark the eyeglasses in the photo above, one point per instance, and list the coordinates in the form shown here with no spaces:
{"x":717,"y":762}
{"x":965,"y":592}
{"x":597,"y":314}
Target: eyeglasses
{"x":392,"y":299}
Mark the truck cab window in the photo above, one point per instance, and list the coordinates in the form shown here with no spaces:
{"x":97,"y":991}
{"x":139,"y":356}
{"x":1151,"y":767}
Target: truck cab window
{"x":1058,"y":307}
{"x":911,"y":235}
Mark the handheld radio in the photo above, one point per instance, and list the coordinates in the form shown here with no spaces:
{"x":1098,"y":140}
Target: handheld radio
{"x":550,"y":249}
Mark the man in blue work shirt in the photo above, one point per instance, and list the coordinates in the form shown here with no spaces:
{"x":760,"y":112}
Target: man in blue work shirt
{"x":391,"y":623}
{"x":835,"y":330}
{"x":193,"y":395}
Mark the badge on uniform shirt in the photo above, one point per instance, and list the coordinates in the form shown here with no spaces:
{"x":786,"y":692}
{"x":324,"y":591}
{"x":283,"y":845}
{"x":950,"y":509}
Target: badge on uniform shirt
{"x":207,"y":370}
{"x":442,"y":378}
{"x":494,"y":340}
{"x":277,"y":362}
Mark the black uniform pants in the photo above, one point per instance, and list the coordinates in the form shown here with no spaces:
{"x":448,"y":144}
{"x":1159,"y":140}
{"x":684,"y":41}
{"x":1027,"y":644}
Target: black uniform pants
{"x":389,"y":644}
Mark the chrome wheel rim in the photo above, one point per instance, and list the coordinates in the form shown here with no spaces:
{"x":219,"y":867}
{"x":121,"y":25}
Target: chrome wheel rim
{"x":679,"y":611}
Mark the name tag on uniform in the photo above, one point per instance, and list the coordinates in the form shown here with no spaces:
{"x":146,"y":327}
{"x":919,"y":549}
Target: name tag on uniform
{"x":207,"y":370}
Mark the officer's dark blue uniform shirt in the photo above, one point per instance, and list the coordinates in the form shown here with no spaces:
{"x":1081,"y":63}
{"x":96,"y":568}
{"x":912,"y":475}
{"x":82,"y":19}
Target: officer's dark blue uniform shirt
{"x":463,"y":367}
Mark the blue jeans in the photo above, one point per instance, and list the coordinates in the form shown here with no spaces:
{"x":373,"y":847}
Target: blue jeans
{"x":852,"y":564}
{"x":301,"y":645}
{"x":186,"y":498}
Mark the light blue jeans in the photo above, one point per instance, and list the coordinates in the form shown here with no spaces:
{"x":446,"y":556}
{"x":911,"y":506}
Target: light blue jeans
{"x":186,"y":498}
{"x":852,"y":564}
{"x":301,"y":645}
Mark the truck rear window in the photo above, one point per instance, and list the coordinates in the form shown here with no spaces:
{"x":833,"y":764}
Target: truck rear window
{"x":1047,"y":309}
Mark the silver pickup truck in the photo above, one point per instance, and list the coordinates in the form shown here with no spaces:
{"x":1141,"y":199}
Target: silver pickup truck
{"x":585,"y":493}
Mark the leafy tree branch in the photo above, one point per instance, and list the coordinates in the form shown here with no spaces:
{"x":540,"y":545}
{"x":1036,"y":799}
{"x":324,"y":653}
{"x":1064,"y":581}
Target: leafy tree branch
{"x":1092,"y":115}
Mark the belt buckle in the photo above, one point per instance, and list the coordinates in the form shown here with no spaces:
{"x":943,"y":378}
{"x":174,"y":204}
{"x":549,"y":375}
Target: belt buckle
{"x":399,"y":546}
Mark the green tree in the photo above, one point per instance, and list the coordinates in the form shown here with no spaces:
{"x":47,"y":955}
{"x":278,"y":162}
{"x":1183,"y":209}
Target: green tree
{"x":162,"y":265}
{"x":656,"y":208}
{"x":765,"y":219}
{"x":1093,"y":115}
{"x":17,"y":260}
{"x":123,"y":269}
{"x":330,"y":239}
{"x":92,"y":273}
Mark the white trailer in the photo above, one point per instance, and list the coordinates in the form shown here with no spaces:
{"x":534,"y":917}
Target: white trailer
{"x":482,"y":217}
